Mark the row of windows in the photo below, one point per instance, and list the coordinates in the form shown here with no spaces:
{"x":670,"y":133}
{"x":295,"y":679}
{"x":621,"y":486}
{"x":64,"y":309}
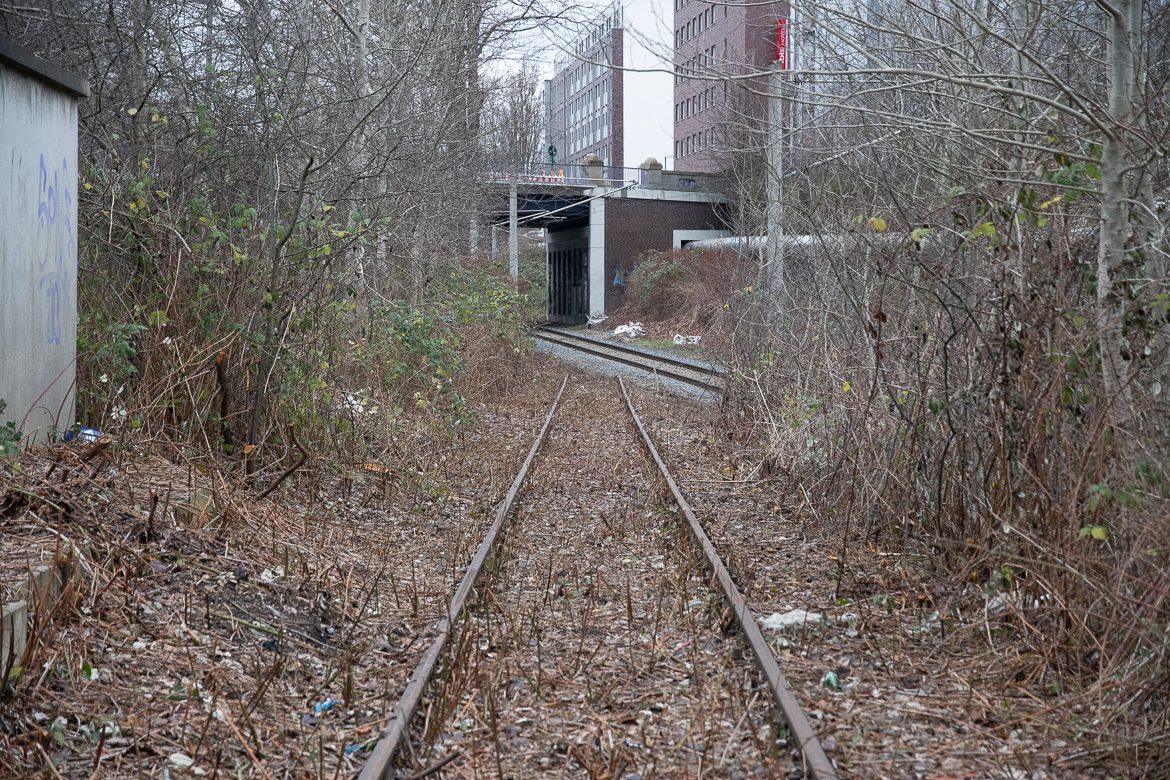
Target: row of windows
{"x":601,"y":26}
{"x":588,"y":132}
{"x":585,"y":73}
{"x":693,"y":105}
{"x":695,"y":142}
{"x":697,"y":64}
{"x":590,"y":101}
{"x":695,"y":26}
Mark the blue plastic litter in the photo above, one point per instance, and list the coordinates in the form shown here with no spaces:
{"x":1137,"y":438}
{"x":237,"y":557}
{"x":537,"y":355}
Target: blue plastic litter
{"x":86,"y":435}
{"x":324,"y":706}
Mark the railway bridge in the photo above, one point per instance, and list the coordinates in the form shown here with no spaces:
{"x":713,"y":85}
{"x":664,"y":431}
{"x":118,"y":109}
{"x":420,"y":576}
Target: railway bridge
{"x":598,"y":220}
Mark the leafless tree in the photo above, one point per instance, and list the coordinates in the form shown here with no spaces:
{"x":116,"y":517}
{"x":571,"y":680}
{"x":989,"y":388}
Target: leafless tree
{"x":280,"y":160}
{"x":973,"y":344}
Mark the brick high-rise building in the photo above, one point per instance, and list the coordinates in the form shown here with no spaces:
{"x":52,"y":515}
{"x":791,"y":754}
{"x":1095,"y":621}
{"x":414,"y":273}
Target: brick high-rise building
{"x":609,"y":94}
{"x":583,"y":100}
{"x":711,"y":42}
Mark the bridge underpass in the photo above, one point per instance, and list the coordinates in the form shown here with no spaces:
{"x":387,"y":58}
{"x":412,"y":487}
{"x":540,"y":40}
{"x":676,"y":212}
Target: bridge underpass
{"x":598,"y":225}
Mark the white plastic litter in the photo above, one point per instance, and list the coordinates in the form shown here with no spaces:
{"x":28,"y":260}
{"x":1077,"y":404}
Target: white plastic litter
{"x":679,"y":339}
{"x":694,"y":340}
{"x":632,"y":330}
{"x":796,"y":617}
{"x":595,"y":319}
{"x":181,"y":761}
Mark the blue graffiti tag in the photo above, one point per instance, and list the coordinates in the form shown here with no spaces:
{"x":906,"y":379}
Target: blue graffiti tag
{"x":55,"y":234}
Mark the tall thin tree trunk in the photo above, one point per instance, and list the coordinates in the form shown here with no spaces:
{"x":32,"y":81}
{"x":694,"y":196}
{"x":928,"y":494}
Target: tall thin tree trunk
{"x":1116,"y":189}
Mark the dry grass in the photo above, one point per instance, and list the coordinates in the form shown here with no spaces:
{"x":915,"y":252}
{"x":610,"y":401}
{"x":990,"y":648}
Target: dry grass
{"x":211,"y":623}
{"x":597,"y":644}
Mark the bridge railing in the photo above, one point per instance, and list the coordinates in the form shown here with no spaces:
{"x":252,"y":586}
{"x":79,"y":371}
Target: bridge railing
{"x":570,"y":174}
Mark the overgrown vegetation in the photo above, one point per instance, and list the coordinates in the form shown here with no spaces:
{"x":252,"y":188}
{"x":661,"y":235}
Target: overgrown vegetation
{"x":260,"y":258}
{"x":694,"y":289}
{"x":175,"y":357}
{"x":960,"y":358}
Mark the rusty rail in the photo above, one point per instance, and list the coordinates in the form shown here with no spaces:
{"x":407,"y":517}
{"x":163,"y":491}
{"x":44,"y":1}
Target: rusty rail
{"x":705,"y":377}
{"x":379,"y":763}
{"x":816,"y":762}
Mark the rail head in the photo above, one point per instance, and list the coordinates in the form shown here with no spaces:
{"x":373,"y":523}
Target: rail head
{"x":812,"y":752}
{"x":690,"y":365}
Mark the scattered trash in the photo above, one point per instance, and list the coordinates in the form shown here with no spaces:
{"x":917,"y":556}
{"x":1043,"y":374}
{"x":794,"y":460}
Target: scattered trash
{"x":830,"y":680}
{"x":928,"y":624}
{"x":631,"y":330}
{"x":358,"y":404}
{"x":850,"y":621}
{"x":181,"y":761}
{"x":272,"y":575}
{"x":595,"y":319}
{"x":681,"y":340}
{"x":797,"y":617}
{"x":85,"y":435}
{"x":324,"y":706}
{"x":360,"y":746}
{"x":999,"y":604}
{"x":694,"y":340}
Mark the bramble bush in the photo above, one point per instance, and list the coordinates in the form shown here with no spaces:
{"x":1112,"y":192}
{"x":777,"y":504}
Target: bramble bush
{"x":218,"y":332}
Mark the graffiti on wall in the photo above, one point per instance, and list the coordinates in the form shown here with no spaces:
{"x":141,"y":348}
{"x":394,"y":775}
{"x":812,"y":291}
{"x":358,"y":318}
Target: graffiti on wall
{"x":56,"y":237}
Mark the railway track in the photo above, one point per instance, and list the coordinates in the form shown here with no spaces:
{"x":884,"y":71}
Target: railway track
{"x":701,"y":375}
{"x":589,"y":638}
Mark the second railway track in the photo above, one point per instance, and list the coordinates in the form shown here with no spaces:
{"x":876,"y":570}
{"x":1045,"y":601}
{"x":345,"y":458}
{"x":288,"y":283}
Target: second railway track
{"x":588,"y":637}
{"x":701,"y":375}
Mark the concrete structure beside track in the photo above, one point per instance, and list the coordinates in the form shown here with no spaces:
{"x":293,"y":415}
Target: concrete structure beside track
{"x":38,"y":242}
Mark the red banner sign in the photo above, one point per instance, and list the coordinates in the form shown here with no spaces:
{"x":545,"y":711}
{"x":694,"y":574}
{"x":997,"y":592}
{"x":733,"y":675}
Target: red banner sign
{"x":782,"y":43}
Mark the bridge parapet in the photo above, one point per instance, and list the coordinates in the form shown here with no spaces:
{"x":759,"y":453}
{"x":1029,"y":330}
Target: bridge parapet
{"x":569,"y":174}
{"x":596,"y":175}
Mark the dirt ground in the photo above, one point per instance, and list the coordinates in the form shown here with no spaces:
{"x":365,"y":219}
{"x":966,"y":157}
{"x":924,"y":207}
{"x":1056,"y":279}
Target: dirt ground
{"x":217,"y":634}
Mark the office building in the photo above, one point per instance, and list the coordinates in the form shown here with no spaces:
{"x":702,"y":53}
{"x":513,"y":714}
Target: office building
{"x":610,"y":93}
{"x":711,"y":43}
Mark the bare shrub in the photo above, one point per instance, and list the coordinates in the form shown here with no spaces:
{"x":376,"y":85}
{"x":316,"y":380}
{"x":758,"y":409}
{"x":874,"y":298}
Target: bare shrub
{"x":691,"y":289}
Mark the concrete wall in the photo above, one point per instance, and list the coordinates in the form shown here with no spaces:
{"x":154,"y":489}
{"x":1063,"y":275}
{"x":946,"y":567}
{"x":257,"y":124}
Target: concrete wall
{"x":38,"y":244}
